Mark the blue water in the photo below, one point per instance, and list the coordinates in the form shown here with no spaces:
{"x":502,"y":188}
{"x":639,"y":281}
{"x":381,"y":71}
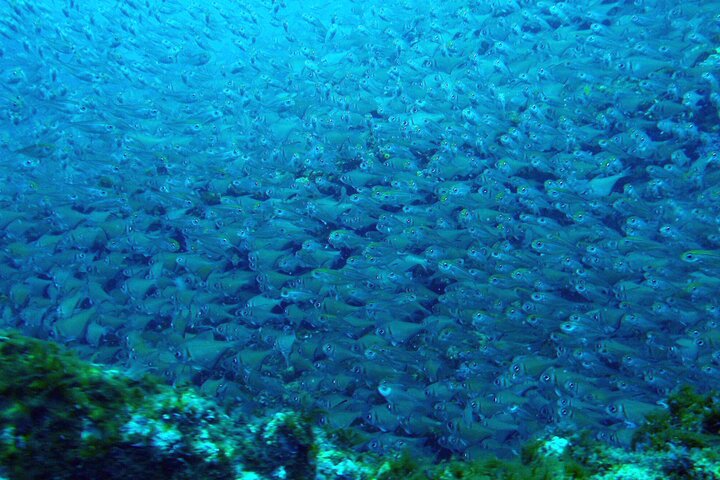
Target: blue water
{"x":450,"y":225}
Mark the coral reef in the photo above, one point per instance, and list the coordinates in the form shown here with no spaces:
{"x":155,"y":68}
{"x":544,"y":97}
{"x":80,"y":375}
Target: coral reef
{"x":61,"y":418}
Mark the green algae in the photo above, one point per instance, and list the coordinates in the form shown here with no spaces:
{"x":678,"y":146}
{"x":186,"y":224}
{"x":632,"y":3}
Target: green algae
{"x":532,"y":465}
{"x":51,"y":403}
{"x":692,"y":420}
{"x":285,"y":443}
{"x":64,"y":418}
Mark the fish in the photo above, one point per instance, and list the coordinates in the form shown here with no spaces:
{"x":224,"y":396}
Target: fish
{"x":451,"y":226}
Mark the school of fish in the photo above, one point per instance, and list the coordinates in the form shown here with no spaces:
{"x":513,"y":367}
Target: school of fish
{"x":450,"y":225}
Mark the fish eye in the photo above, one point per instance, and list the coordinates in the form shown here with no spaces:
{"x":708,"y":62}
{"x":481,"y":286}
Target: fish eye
{"x":567,"y":327}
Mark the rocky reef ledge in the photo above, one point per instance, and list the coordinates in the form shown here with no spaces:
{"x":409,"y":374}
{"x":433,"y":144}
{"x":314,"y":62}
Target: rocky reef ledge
{"x":62,"y":418}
